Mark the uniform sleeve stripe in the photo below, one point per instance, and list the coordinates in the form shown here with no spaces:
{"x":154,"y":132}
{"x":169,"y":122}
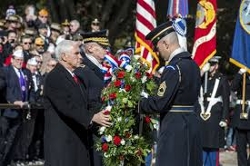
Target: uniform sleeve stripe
{"x":170,"y":67}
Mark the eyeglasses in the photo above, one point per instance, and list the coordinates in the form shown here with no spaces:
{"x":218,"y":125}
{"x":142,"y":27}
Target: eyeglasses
{"x":44,"y":16}
{"x":39,"y":45}
{"x":39,"y":61}
{"x":27,"y":43}
{"x":96,"y":24}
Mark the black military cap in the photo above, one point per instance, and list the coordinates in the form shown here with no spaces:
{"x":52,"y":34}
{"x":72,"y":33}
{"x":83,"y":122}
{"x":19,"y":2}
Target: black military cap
{"x":100,"y":37}
{"x":159,"y":32}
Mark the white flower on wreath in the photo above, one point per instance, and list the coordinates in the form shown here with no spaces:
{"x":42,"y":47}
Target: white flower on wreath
{"x":144,"y":79}
{"x":122,"y":90}
{"x":106,"y":155}
{"x":119,"y":119}
{"x":109,"y":138}
{"x":136,"y":137}
{"x":102,"y":129}
{"x":123,"y":142}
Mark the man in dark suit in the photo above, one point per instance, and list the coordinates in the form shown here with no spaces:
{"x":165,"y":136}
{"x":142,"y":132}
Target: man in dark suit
{"x":18,"y":88}
{"x":179,"y":141}
{"x":67,"y":120}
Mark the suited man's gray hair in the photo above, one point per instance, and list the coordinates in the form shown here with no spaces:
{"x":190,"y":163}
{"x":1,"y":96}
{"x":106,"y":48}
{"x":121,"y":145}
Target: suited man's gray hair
{"x":64,"y":46}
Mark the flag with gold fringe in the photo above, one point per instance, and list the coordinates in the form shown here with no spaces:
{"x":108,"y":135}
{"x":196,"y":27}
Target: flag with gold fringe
{"x":204,"y":46}
{"x":145,"y":22}
{"x":241,"y":44}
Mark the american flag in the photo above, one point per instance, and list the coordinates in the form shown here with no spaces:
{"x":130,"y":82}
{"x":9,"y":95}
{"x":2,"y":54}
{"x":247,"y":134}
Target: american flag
{"x":145,"y":22}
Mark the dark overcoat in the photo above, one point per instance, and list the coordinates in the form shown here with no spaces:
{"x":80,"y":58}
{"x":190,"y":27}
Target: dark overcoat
{"x":212,"y":133}
{"x":66,"y":138}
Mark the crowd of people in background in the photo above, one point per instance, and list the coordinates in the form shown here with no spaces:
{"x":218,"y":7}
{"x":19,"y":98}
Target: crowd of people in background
{"x":27,"y":50}
{"x":27,"y":55}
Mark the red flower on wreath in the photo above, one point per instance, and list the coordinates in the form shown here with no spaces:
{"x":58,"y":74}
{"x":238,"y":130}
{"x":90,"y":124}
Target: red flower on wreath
{"x":147,"y":119}
{"x":121,"y":74}
{"x":117,"y":140}
{"x":138,"y":75}
{"x":149,"y":75}
{"x":127,"y":88}
{"x":112,"y":96}
{"x":117,"y":83}
{"x":105,"y":147}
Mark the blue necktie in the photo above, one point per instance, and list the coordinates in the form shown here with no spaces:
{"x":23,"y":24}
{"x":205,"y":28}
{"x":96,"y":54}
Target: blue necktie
{"x":22,"y":85}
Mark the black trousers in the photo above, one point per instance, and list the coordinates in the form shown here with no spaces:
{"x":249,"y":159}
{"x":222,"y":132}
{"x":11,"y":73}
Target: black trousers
{"x":8,"y":134}
{"x":242,"y":139}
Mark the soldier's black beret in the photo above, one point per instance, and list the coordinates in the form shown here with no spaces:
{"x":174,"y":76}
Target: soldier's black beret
{"x":159,"y":32}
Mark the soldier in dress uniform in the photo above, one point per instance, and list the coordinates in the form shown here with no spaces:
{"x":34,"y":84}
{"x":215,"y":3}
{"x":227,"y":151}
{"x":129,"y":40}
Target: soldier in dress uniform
{"x":94,"y":47}
{"x":241,"y":119}
{"x":213,"y":110}
{"x":179,"y":141}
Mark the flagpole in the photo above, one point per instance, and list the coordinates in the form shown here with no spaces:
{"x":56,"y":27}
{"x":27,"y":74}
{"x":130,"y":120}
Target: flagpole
{"x":243,"y":115}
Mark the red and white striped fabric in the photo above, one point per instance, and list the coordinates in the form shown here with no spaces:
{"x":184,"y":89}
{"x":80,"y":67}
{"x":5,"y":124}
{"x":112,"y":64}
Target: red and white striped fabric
{"x":145,"y":22}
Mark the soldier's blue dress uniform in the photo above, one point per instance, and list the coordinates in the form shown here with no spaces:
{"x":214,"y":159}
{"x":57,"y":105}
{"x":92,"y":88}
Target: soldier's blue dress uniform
{"x":242,"y":125}
{"x":179,"y":142}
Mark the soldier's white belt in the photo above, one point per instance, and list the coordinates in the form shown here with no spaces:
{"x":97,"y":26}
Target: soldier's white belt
{"x":215,"y":99}
{"x":247,"y":102}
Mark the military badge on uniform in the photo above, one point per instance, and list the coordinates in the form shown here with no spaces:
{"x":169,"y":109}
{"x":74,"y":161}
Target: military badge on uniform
{"x":162,"y":89}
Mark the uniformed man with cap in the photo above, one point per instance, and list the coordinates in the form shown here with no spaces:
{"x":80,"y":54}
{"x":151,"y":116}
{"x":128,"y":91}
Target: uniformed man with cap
{"x":11,"y":22}
{"x":94,"y":46}
{"x":241,"y":116}
{"x":55,"y":31}
{"x":213,"y":110}
{"x":179,"y":141}
{"x":65,"y":27}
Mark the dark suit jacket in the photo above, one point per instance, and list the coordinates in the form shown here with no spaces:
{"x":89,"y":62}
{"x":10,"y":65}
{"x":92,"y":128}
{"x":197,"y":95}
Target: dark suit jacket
{"x":13,"y":89}
{"x":66,"y":120}
{"x":94,"y":85}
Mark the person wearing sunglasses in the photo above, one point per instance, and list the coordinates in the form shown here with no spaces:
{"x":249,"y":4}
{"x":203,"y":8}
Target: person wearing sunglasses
{"x":26,"y":43}
{"x":95,"y":25}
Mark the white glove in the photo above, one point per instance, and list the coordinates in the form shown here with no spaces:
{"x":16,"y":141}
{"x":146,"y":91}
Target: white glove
{"x":144,"y":94}
{"x":223,"y":124}
{"x":242,"y":71}
{"x":160,"y":71}
{"x":206,"y":67}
